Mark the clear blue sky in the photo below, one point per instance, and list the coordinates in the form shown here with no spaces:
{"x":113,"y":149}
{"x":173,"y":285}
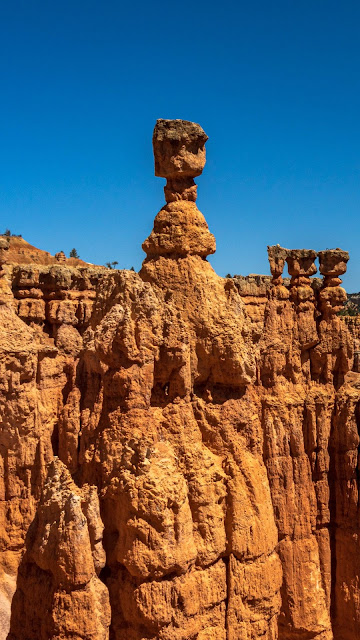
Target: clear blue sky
{"x":274,"y":84}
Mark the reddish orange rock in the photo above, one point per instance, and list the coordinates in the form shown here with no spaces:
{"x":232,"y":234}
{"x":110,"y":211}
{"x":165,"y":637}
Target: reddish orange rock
{"x":178,"y":451}
{"x":58,"y":592}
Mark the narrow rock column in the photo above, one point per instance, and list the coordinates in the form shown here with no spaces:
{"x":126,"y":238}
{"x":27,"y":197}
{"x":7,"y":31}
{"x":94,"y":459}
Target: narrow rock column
{"x":5,"y":289}
{"x":356,"y":365}
{"x":4,"y":248}
{"x":301,"y":265}
{"x":179,"y":228}
{"x":335,"y":361}
{"x":278,"y":358}
{"x":277,"y":256}
{"x":333,"y":263}
{"x":332,"y":358}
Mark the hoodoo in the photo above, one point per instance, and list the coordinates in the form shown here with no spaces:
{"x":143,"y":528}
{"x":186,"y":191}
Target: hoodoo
{"x":179,"y":229}
{"x":178,"y":451}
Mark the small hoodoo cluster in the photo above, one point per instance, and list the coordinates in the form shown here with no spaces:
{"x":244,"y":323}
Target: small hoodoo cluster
{"x":301,"y":266}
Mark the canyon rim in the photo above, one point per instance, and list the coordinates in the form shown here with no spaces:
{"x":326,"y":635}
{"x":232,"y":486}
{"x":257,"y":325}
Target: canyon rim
{"x":178,"y":451}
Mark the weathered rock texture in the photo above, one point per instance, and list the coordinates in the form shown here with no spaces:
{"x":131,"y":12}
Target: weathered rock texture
{"x":21,"y":252}
{"x":178,"y":451}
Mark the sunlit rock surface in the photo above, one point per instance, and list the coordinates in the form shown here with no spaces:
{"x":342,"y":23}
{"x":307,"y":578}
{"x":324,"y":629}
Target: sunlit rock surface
{"x":178,"y":451}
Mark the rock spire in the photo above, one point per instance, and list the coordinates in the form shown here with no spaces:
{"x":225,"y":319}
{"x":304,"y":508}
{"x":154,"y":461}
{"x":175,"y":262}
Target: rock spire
{"x":333,"y":263}
{"x":179,"y":228}
{"x":5,"y":289}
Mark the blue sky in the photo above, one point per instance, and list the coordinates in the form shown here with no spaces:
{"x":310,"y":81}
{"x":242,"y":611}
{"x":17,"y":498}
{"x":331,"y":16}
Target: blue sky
{"x":274,"y":84}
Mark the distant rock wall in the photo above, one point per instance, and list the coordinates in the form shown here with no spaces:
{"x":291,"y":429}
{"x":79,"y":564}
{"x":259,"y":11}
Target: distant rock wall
{"x":178,"y":451}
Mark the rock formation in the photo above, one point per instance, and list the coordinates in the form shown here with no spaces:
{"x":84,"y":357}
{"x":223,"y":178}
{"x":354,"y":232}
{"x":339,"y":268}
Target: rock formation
{"x":22,"y":253}
{"x":59,"y":570}
{"x":60,"y":257}
{"x":5,"y":290}
{"x":178,"y":451}
{"x":179,"y":228}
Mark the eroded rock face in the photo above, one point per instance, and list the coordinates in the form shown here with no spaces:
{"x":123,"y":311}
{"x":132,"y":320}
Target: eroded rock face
{"x":5,"y":290}
{"x":59,"y":570}
{"x":178,"y":448}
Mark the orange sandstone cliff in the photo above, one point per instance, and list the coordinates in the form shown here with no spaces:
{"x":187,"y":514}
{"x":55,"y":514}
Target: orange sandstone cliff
{"x":178,"y":451}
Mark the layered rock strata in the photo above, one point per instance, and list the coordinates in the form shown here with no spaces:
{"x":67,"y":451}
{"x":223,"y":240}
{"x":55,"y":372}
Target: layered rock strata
{"x":179,"y":451}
